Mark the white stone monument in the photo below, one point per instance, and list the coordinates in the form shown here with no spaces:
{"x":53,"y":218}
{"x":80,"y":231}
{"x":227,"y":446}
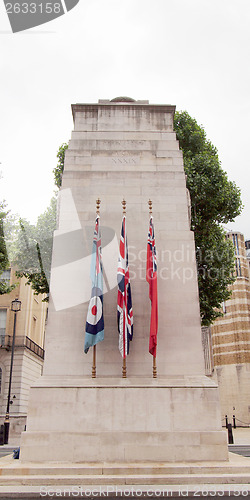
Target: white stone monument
{"x":124,"y":149}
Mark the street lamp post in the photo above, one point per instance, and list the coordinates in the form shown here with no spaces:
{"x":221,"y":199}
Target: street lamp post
{"x":15,"y":306}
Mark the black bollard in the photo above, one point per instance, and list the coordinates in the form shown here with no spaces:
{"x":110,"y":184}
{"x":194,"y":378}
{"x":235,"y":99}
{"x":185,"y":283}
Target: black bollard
{"x":230,"y":434}
{"x":1,"y":435}
{"x":234,"y":422}
{"x":226,"y":421}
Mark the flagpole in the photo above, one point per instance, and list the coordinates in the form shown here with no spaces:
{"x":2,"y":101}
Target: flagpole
{"x":98,"y":202}
{"x":94,"y":362}
{"x":124,"y":368}
{"x":124,"y":364}
{"x":154,"y":368}
{"x":150,"y":205}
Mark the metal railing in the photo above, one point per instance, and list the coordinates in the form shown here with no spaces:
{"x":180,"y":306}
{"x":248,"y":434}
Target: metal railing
{"x":32,"y":346}
{"x":21,"y":341}
{"x":4,"y":339}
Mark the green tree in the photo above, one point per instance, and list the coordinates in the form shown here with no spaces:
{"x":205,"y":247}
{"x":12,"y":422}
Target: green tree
{"x":33,"y":250}
{"x":4,"y":261}
{"x":214,"y":201}
{"x":58,"y":170}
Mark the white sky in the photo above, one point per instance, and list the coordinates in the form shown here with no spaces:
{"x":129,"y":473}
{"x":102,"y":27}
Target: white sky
{"x":191,"y":53}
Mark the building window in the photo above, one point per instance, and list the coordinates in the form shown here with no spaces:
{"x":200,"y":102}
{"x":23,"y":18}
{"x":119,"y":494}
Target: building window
{"x":236,"y":245}
{"x":3,"y":316}
{"x":5,"y":277}
{"x":206,"y":337}
{"x":238,"y":267}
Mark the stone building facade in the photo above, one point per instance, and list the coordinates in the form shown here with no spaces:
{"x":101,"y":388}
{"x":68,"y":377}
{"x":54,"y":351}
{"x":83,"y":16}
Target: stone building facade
{"x":231,"y":341}
{"x":29,"y":352}
{"x":247,"y":243}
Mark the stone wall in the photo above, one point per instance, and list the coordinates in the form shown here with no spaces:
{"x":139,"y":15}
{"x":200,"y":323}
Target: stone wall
{"x":231,"y":341}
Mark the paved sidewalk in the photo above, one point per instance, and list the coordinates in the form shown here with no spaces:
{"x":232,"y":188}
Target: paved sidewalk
{"x":241,"y":435}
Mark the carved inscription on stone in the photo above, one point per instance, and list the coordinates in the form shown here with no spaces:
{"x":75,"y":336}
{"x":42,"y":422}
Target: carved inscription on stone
{"x":125,"y":160}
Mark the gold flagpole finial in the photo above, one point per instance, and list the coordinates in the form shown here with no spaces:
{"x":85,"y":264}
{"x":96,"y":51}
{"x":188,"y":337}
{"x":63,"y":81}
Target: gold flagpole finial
{"x":124,"y":203}
{"x":150,"y":206}
{"x":98,"y":203}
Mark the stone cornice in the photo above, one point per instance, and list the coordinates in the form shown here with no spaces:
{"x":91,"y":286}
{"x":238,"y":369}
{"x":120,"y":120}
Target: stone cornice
{"x":94,"y":107}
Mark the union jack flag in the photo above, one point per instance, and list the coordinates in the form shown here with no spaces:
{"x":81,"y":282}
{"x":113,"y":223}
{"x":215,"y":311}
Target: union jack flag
{"x":151,"y":277}
{"x":94,"y":331}
{"x":124,"y":298}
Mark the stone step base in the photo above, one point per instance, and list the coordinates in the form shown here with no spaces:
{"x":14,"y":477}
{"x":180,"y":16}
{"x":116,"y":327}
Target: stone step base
{"x":20,"y":469}
{"x":122,"y":491}
{"x":16,"y":475}
{"x":101,"y":480}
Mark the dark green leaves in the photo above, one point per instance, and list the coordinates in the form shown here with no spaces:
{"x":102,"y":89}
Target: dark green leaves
{"x":4,"y":261}
{"x":214,"y":200}
{"x":34,"y":250}
{"x":58,"y":170}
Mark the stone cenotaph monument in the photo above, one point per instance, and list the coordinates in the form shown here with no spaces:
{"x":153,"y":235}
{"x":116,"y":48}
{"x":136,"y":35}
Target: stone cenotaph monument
{"x":124,"y":149}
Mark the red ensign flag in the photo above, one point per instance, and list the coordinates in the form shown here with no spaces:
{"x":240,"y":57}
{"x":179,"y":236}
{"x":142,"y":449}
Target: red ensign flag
{"x":151,"y":277}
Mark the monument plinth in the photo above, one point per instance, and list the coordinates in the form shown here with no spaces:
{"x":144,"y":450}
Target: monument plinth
{"x":124,"y":149}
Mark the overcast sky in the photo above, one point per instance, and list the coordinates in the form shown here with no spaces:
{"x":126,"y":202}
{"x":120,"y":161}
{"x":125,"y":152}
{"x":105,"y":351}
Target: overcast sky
{"x":191,"y":53}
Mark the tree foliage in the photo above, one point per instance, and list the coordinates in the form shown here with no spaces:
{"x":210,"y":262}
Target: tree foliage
{"x":214,"y":200}
{"x":58,"y":170}
{"x":4,"y":261}
{"x":33,"y":250}
{"x":3,"y":250}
